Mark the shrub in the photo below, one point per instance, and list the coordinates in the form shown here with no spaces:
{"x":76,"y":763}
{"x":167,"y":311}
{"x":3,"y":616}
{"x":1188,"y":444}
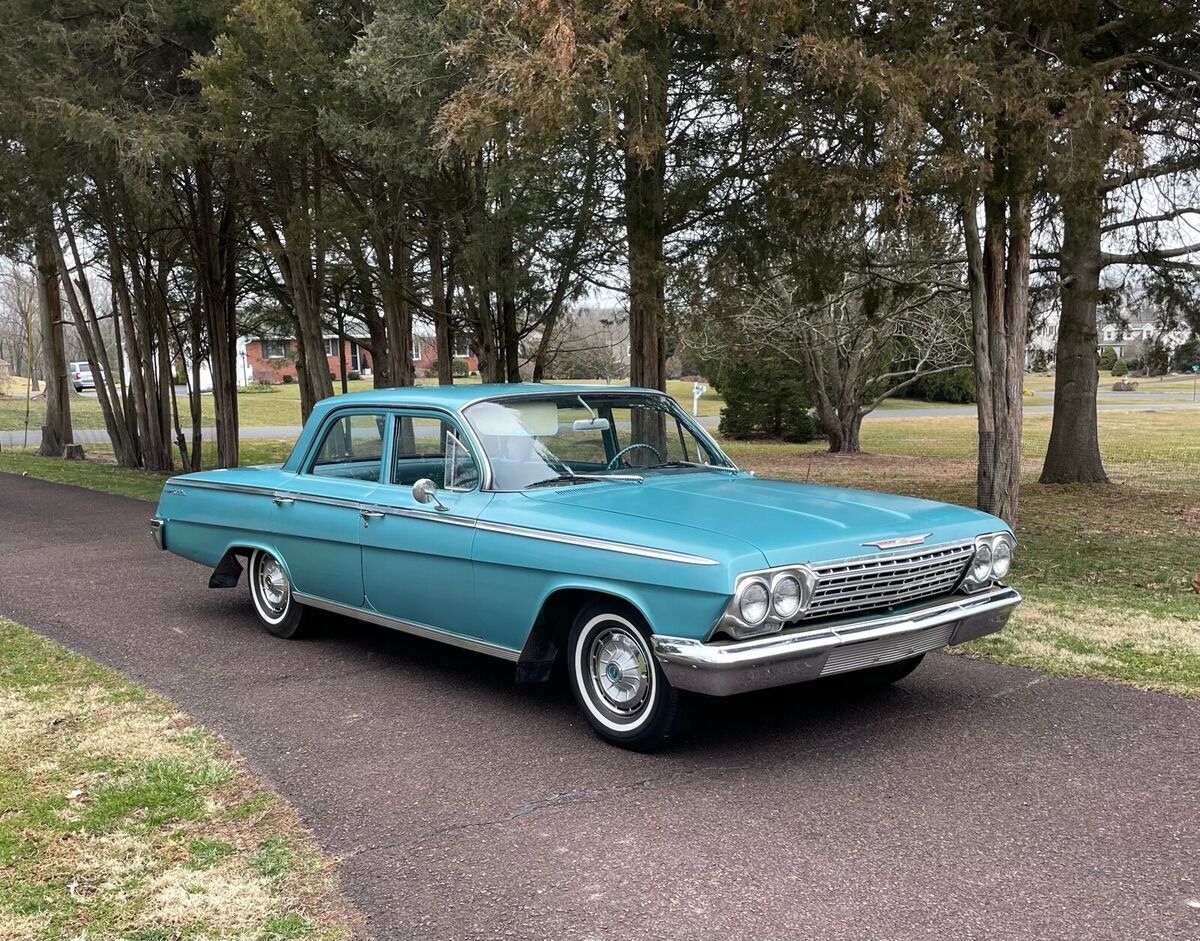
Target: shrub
{"x":765,"y":397}
{"x":1186,"y":355}
{"x":956,"y":386}
{"x":1040,"y":361}
{"x":353,"y":375}
{"x":459,"y":368}
{"x":1108,"y":358}
{"x":288,"y":378}
{"x":1120,"y":368}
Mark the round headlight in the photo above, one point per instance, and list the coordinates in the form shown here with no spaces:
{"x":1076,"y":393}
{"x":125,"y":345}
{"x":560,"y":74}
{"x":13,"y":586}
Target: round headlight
{"x":1001,"y":557}
{"x":981,"y":567}
{"x":786,"y":595}
{"x":754,"y":603}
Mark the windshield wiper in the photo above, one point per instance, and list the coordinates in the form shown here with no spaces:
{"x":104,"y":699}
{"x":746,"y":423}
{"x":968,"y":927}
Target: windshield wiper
{"x":716,"y":467}
{"x":573,"y":478}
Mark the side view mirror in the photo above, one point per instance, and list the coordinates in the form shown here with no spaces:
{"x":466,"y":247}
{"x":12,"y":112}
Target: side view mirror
{"x":425,"y":491}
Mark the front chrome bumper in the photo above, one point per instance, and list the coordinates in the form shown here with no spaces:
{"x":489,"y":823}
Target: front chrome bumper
{"x":726,"y":667}
{"x":156,"y":532}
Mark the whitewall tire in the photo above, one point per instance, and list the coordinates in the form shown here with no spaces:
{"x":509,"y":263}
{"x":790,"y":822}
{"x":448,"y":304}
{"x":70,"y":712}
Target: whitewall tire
{"x":271,"y":595}
{"x":617,"y":682}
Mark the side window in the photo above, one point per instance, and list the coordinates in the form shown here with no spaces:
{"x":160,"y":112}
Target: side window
{"x":428,"y":447}
{"x":352,"y":448}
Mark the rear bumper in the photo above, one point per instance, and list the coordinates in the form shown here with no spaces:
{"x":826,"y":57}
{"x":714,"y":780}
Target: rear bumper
{"x":727,"y":667}
{"x":156,"y":532}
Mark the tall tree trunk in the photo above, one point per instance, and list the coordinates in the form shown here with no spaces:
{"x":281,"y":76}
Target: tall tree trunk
{"x":87,"y":324}
{"x":381,"y":375}
{"x":645,"y":227}
{"x":1073,"y":456}
{"x":56,"y":432}
{"x":441,"y":302}
{"x":215,"y":248}
{"x":342,"y":349}
{"x":391,"y":255}
{"x":195,"y":338}
{"x":998,"y":278}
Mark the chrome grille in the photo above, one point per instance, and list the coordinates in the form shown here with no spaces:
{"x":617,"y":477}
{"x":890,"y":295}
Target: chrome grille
{"x":870,"y":653}
{"x":885,"y":581}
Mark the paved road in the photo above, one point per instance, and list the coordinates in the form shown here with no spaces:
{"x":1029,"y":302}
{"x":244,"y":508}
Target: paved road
{"x":971,"y":801}
{"x":13,"y":439}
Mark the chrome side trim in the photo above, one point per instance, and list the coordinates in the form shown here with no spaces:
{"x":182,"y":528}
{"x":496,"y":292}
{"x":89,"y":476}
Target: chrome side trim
{"x":430,"y":516}
{"x":725,"y":668}
{"x":409,"y":627}
{"x":569,"y":539}
{"x":212,"y":485}
{"x":156,"y":532}
{"x":276,"y":494}
{"x":605,"y":545}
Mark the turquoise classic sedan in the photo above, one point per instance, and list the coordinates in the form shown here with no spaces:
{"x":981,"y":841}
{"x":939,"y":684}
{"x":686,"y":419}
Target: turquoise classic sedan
{"x":596,"y":528}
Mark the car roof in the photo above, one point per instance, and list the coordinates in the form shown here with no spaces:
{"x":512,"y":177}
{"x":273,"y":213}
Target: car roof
{"x":456,"y":397}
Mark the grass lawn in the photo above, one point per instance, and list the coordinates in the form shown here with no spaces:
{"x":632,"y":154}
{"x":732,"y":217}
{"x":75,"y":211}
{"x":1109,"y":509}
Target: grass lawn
{"x":1106,"y":571}
{"x":120,"y":818}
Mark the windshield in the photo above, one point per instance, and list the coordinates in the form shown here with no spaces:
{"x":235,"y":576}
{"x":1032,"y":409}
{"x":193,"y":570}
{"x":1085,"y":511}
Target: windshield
{"x":574,"y":438}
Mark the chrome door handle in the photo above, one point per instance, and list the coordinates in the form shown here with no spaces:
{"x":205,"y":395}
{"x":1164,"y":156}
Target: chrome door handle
{"x":371,"y":515}
{"x":283,"y":501}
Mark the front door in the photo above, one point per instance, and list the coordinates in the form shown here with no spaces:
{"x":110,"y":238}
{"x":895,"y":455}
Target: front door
{"x":416,"y":557}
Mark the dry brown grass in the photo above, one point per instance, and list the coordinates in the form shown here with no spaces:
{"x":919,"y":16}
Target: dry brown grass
{"x":119,"y":818}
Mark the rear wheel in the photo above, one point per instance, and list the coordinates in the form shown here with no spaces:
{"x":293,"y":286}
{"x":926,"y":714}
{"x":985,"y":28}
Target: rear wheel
{"x":271,"y":592}
{"x":617,"y":682}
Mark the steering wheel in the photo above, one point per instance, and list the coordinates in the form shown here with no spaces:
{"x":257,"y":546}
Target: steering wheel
{"x":616,"y":458}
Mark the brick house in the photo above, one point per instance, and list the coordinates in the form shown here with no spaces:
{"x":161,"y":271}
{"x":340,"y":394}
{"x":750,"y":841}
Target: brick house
{"x":270,"y":359}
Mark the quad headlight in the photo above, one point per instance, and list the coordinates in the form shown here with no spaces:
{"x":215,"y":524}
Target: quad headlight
{"x":764,"y":601}
{"x":787,"y":595}
{"x":754,"y":602}
{"x":991,"y":562}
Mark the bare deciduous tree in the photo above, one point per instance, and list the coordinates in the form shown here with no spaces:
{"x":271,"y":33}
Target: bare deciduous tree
{"x":879,"y":333}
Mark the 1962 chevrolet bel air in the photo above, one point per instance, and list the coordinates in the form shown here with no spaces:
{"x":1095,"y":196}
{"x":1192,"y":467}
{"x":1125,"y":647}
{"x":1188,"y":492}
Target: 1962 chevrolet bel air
{"x":597,"y":527}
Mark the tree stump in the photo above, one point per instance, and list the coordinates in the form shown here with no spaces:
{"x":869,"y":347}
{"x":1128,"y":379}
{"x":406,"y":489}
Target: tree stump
{"x":74,"y":452}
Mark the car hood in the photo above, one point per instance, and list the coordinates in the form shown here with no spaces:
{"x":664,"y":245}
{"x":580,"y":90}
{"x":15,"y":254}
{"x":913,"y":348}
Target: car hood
{"x":788,"y":522}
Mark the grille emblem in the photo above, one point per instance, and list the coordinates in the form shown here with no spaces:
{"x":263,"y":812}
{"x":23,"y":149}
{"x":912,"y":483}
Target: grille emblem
{"x":899,"y":541}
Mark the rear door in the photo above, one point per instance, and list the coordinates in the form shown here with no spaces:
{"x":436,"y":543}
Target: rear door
{"x":317,"y":522}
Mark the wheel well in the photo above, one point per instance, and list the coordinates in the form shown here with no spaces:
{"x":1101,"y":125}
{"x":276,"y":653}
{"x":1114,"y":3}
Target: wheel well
{"x":546,"y":644}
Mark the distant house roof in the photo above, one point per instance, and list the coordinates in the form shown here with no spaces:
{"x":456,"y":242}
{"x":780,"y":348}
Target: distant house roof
{"x":354,"y":331}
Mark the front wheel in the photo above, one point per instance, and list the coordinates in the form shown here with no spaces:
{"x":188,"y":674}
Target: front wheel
{"x":617,"y":682}
{"x":271,"y":591}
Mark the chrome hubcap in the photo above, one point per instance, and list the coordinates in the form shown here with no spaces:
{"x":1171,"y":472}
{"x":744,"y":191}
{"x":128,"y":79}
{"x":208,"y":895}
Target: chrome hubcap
{"x":273,"y":586}
{"x":620,"y":671}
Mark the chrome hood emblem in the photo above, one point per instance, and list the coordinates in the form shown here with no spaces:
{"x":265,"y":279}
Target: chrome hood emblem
{"x":899,"y":541}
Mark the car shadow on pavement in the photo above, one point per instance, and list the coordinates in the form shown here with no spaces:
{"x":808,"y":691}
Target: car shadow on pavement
{"x":787,"y":719}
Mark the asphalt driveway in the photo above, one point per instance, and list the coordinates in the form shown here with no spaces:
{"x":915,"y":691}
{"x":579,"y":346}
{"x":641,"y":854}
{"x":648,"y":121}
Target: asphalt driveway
{"x":970,"y":801}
